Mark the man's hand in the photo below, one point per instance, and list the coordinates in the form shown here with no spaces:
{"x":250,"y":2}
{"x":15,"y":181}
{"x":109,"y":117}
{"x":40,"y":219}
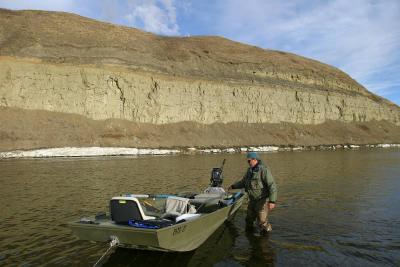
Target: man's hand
{"x":229,"y":188}
{"x":271,"y":205}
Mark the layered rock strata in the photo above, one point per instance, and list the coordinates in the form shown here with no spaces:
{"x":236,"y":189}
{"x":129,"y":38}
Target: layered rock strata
{"x":106,"y":92}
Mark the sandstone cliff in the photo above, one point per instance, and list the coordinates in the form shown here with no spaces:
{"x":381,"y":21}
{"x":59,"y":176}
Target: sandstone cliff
{"x":65,"y":63}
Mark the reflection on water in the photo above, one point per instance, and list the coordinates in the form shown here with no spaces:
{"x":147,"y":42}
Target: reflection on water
{"x":335,"y":208}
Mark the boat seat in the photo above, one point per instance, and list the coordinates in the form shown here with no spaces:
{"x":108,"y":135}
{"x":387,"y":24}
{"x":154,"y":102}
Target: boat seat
{"x":124,"y":209}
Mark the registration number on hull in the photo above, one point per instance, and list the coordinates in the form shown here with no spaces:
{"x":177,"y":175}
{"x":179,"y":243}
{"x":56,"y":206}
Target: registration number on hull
{"x":179,"y":230}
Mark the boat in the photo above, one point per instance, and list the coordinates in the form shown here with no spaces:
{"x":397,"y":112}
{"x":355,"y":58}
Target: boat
{"x":162,"y":222}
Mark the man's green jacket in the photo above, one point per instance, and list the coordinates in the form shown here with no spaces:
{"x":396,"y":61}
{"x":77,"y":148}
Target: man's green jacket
{"x":259,"y":183}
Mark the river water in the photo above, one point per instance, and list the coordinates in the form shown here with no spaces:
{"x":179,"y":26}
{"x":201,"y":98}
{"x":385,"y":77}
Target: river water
{"x":335,"y":208}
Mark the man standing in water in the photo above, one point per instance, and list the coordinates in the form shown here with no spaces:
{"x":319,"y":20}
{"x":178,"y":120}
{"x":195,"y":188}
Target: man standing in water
{"x":260,"y":185}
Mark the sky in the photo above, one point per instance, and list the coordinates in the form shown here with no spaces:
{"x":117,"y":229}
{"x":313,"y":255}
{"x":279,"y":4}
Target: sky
{"x":360,"y":37}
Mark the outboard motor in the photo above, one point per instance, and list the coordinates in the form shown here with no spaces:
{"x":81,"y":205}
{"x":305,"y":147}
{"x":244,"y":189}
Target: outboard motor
{"x":216,"y":182}
{"x":216,"y":176}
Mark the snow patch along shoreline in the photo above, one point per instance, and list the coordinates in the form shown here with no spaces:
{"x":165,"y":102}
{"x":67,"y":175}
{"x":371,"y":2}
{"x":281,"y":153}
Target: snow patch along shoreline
{"x":121,"y":151}
{"x":85,"y":152}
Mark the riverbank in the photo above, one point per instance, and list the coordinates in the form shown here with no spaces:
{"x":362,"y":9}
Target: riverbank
{"x":25,"y":130}
{"x":121,"y":151}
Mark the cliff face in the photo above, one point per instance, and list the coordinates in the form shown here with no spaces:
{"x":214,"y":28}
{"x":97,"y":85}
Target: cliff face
{"x":61,"y":62}
{"x":102,"y":93}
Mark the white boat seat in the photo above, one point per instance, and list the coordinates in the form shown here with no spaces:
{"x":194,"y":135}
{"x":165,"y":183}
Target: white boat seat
{"x":123,"y":209}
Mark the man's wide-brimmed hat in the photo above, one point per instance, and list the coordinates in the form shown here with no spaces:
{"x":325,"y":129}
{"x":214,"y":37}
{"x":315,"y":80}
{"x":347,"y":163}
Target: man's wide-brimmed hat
{"x":252,"y":155}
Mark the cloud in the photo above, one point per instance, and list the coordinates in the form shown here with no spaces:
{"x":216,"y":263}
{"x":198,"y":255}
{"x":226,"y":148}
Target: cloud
{"x":360,"y":37}
{"x":157,"y":16}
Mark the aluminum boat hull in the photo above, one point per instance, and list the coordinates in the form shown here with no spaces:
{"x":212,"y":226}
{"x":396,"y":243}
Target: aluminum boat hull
{"x":180,"y":237}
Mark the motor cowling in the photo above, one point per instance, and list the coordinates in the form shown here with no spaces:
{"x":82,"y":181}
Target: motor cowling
{"x":216,"y":179}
